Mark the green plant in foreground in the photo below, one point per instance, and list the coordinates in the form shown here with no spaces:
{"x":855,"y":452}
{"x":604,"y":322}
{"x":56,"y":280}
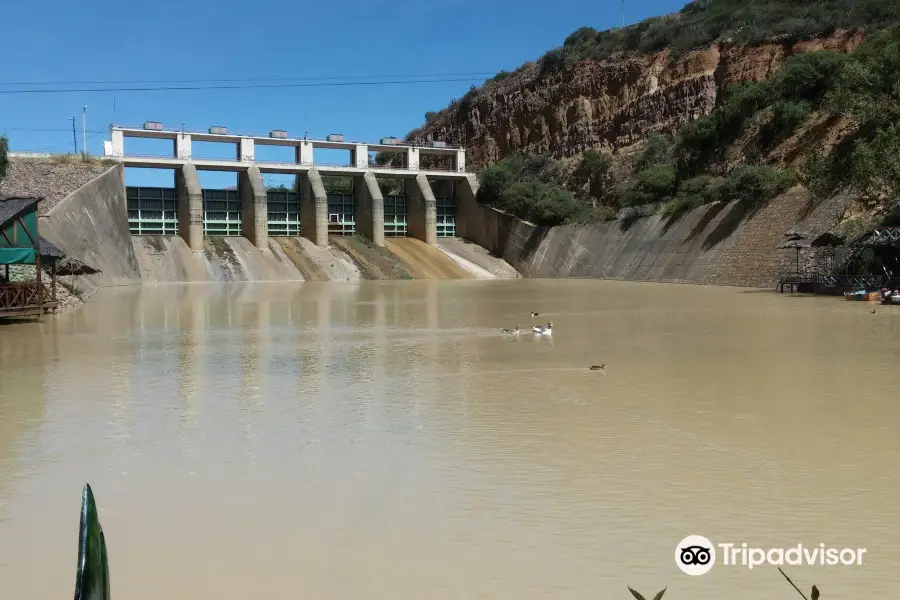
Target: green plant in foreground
{"x":813,"y":595}
{"x":639,"y":597}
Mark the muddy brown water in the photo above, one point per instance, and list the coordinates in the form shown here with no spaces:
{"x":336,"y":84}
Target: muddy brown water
{"x":383,"y":440}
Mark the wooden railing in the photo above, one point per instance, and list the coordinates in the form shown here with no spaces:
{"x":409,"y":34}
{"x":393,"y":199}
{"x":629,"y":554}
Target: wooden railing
{"x":26,"y":298}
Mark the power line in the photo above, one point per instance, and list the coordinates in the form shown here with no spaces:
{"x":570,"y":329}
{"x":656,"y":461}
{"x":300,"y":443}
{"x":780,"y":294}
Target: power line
{"x":232,"y":87}
{"x":34,"y":130}
{"x":249,"y":79}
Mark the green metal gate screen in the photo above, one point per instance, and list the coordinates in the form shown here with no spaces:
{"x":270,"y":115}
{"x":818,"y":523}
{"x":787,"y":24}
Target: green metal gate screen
{"x":395,"y":216}
{"x":151,"y":211}
{"x":445,"y":205}
{"x":341,"y":214}
{"x":284,"y":212}
{"x":221,"y":212}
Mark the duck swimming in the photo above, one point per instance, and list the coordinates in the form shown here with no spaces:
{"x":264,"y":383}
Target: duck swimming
{"x":534,"y":314}
{"x":538,"y":330}
{"x":510,"y":331}
{"x":599,"y":367}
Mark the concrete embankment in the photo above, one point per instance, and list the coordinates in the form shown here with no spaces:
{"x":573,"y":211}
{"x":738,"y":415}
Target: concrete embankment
{"x":167,"y":259}
{"x":717,"y":244}
{"x":424,"y":261}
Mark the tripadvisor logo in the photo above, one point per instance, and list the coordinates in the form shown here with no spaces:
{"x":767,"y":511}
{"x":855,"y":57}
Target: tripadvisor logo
{"x":696,"y":555}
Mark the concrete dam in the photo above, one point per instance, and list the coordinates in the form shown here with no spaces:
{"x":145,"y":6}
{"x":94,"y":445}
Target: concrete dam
{"x":389,"y":223}
{"x":404,"y":219}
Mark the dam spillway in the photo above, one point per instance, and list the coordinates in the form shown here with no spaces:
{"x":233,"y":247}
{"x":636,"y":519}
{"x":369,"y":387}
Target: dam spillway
{"x":431,"y":177}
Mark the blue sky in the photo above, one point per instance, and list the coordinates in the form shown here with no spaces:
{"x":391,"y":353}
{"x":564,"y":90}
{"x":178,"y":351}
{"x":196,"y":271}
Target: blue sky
{"x":60,"y":41}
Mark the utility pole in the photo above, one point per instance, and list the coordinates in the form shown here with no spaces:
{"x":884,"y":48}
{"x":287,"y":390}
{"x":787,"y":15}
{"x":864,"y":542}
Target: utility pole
{"x":84,"y":130}
{"x":74,"y":138}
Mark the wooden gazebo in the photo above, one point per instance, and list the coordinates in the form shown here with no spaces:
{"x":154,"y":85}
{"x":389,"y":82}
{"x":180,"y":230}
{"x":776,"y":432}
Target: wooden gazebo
{"x":20,"y":244}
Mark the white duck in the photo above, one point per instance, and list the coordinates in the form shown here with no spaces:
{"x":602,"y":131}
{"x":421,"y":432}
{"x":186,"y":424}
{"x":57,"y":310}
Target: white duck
{"x":511,"y":331}
{"x":538,"y":330}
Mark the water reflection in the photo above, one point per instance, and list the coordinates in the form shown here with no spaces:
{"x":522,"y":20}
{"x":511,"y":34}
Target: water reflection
{"x":387,"y":438}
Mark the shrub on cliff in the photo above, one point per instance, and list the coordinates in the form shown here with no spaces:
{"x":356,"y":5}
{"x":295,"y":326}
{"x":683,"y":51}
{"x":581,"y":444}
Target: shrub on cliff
{"x":866,"y":90}
{"x":754,"y":183}
{"x":657,"y":183}
{"x":542,"y":203}
{"x":531,"y":186}
{"x":595,"y":173}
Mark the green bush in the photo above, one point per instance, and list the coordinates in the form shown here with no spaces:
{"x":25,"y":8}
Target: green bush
{"x":541,"y":203}
{"x":697,"y":143}
{"x":754,"y":183}
{"x":657,"y":183}
{"x":431,"y":116}
{"x":531,"y":186}
{"x":657,"y":152}
{"x":807,"y":77}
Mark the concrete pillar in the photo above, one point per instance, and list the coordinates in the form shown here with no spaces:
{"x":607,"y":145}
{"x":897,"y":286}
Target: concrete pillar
{"x":412,"y":159}
{"x":118,"y":142}
{"x":369,"y":208}
{"x":460,"y":161}
{"x":304,"y":153}
{"x":421,"y":211}
{"x":359,"y":157}
{"x":246,"y":150}
{"x":254,"y":207}
{"x":189,"y":202}
{"x":313,"y":208}
{"x":468,"y":213}
{"x":183,"y":146}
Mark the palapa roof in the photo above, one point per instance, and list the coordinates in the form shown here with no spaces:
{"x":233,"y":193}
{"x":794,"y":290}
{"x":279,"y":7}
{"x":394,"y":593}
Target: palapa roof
{"x":13,"y":206}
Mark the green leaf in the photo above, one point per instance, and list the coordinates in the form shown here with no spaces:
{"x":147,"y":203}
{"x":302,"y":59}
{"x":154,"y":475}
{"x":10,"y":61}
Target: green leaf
{"x":660,"y":594}
{"x":635,"y":594}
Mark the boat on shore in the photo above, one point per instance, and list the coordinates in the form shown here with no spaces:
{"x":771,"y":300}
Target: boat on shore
{"x":862,"y":296}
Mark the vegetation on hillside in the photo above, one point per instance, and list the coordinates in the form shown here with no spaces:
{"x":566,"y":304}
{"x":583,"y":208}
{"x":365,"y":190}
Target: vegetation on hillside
{"x":703,"y":22}
{"x":690,"y":168}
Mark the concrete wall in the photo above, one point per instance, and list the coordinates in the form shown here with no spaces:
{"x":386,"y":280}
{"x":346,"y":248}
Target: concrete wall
{"x":714,"y":244}
{"x":313,"y":208}
{"x":189,"y":204}
{"x":168,"y":259}
{"x":254,"y":207}
{"x":91,"y":225}
{"x":369,"y":208}
{"x":421,"y":211}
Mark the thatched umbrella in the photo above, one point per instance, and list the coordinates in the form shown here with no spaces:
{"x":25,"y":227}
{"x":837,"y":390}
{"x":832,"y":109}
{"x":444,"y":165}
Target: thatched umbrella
{"x":798,"y":241}
{"x":72,"y":266}
{"x":827,"y":240}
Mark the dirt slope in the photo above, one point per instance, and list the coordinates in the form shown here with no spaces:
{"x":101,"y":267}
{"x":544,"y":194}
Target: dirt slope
{"x":424,"y":261}
{"x":373,"y":262}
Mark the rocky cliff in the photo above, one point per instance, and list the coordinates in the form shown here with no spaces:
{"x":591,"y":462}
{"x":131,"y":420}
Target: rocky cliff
{"x":609,"y":104}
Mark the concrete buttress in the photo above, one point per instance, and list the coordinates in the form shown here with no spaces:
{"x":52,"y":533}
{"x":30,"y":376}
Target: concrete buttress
{"x":313,"y":208}
{"x":369,"y":208}
{"x":421,"y":211}
{"x":254,"y":207}
{"x":466,"y":206}
{"x":189,"y":199}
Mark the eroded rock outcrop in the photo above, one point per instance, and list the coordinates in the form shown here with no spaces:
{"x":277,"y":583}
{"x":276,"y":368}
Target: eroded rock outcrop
{"x":605,"y":105}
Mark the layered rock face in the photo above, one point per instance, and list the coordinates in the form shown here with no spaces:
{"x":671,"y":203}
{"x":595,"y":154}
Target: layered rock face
{"x":606,"y":105}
